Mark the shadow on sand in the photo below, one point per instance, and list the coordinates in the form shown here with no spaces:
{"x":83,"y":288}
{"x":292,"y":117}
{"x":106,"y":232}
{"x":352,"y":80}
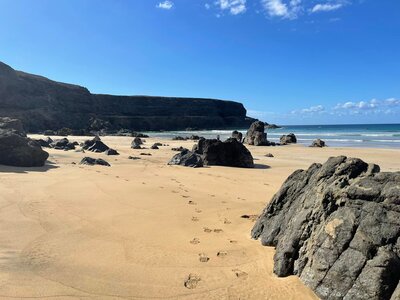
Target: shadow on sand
{"x":261,"y":166}
{"x":24,"y":170}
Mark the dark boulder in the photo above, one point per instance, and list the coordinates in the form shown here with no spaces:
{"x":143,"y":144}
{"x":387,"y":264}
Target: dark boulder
{"x":187,"y":158}
{"x":179,"y":138}
{"x":318,"y":143}
{"x":94,"y":161}
{"x":337,"y":227}
{"x":136,"y":143}
{"x":95,"y":145}
{"x":154,"y":147}
{"x":256,"y":135}
{"x":237,"y":135}
{"x":180,"y":149}
{"x":288,"y":139}
{"x":19,"y":151}
{"x":110,"y":151}
{"x":45,"y":143}
{"x":269,"y":155}
{"x":62,"y":144}
{"x":229,"y":153}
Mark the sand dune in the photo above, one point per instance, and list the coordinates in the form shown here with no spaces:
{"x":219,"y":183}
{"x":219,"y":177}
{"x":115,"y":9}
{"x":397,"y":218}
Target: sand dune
{"x":143,"y":230}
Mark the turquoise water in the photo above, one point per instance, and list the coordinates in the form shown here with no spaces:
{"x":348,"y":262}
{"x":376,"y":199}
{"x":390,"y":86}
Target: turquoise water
{"x":371,"y":135}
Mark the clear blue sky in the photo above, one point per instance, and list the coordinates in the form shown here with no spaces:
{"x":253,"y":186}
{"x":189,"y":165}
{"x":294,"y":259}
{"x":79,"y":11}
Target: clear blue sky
{"x":288,"y":61}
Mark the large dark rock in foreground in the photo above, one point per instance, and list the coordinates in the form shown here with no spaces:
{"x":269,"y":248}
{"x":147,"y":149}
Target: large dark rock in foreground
{"x":337,"y":226}
{"x":16,"y":149}
{"x":256,"y":135}
{"x":43,"y":104}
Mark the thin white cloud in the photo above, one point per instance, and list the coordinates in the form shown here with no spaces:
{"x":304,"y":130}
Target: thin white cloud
{"x":279,"y":8}
{"x":318,"y":109}
{"x":235,"y":7}
{"x":207,"y":6}
{"x":326,"y":7}
{"x":167,"y":5}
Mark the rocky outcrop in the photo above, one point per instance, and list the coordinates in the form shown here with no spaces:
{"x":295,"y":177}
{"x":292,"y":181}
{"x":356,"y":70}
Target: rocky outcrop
{"x":43,"y":104}
{"x":337,"y":227}
{"x":318,"y":143}
{"x":187,"y":158}
{"x":16,"y":149}
{"x":288,"y":139}
{"x":272,"y":126}
{"x":136,"y":143}
{"x":230,"y":153}
{"x":237,"y":135}
{"x":95,"y":145}
{"x":94,"y":161}
{"x":256,"y":135}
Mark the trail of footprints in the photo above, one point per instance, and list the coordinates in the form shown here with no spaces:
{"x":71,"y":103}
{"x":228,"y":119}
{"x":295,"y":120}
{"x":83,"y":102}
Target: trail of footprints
{"x":192,"y":280}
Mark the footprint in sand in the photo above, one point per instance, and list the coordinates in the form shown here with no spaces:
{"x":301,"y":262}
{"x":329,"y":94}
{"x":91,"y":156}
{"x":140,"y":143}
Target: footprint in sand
{"x":195,"y":219}
{"x":203,"y":257}
{"x":218,"y":230}
{"x":232,"y":241}
{"x":191,"y":281}
{"x":226,"y":221}
{"x":195,"y":241}
{"x":185,"y":196}
{"x":206,"y":229}
{"x":198,"y":210}
{"x":222,"y":253}
{"x":192,"y":202}
{"x":240,"y":273}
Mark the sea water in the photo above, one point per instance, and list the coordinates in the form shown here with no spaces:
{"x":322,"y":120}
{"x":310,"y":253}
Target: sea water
{"x":370,"y":135}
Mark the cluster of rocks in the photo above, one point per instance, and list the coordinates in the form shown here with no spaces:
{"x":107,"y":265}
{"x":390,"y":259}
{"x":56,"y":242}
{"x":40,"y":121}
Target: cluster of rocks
{"x":16,"y":149}
{"x":94,"y":161}
{"x":337,"y":227}
{"x":215,"y":152}
{"x":181,"y":138}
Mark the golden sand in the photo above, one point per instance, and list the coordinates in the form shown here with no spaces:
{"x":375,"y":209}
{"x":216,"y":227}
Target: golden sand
{"x":141,"y":229}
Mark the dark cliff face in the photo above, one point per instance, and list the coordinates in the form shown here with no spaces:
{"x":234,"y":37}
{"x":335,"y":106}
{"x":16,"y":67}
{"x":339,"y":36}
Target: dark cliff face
{"x":45,"y":104}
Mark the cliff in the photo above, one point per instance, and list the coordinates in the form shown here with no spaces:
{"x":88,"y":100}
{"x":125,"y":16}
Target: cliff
{"x":43,"y":104}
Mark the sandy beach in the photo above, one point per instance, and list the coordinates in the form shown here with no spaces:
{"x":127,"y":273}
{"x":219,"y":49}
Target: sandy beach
{"x":140,"y":228}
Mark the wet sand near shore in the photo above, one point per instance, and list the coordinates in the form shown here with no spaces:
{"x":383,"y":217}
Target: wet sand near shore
{"x":141,"y":229}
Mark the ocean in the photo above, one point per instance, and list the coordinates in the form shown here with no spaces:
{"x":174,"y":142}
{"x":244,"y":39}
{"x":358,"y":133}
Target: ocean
{"x":369,"y":135}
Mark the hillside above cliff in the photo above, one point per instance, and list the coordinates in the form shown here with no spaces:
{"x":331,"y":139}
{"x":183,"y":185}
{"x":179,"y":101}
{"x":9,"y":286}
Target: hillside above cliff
{"x":42,"y":104}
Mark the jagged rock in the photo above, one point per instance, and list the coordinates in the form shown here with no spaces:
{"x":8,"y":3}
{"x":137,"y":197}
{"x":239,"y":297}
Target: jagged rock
{"x":318,"y":143}
{"x":62,"y":144}
{"x":180,"y":149}
{"x":269,"y":155}
{"x":18,"y":150}
{"x":337,"y":227}
{"x":95,"y":145}
{"x":136,"y":143}
{"x":94,"y":161}
{"x":187,"y":158}
{"x":288,"y":139}
{"x":110,"y":151}
{"x":237,"y":135}
{"x":230,"y":153}
{"x":256,"y":135}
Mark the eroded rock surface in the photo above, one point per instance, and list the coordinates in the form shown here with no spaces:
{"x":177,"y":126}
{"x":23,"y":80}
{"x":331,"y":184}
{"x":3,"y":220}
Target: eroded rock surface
{"x":337,"y":227}
{"x":256,"y":135}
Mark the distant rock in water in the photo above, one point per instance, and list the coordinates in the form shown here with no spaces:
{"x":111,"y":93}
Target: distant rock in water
{"x":272,"y":126}
{"x":16,"y":149}
{"x":318,"y":143}
{"x":94,"y":161}
{"x":337,"y":227}
{"x":256,"y":135}
{"x":288,"y":139}
{"x":237,"y":135}
{"x":187,"y":158}
{"x":42,"y":104}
